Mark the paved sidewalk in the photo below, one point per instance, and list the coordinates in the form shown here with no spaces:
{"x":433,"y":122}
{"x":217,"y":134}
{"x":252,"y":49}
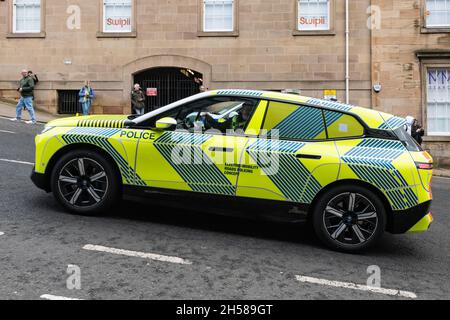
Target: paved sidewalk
{"x":439,"y":172}
{"x":8,"y":110}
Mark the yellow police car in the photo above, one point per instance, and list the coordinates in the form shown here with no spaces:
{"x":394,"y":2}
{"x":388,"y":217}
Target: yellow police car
{"x":354,"y":173}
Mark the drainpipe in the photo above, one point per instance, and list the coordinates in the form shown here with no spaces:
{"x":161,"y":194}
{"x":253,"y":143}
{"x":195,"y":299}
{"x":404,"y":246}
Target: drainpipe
{"x":347,"y":53}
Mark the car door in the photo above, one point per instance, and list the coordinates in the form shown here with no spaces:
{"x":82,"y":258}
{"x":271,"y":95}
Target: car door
{"x":291,"y":159}
{"x":199,"y":156}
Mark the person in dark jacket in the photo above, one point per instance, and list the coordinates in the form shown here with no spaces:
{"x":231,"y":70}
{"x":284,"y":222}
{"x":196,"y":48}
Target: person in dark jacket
{"x":86,"y":95}
{"x":138,"y":100}
{"x":36,"y":80}
{"x":414,"y":129}
{"x":26,"y":90}
{"x":417,"y":132}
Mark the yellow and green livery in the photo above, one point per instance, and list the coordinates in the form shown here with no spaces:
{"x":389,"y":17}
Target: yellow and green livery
{"x":353,"y":172}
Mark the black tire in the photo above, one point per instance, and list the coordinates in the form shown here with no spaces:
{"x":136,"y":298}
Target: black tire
{"x":355,"y":230}
{"x":96,"y":196}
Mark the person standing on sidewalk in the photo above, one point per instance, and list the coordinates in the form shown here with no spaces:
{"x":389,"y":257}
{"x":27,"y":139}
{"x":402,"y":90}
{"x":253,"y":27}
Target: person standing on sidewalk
{"x":138,"y":100}
{"x":26,"y":89}
{"x":86,"y":96}
{"x":36,"y":80}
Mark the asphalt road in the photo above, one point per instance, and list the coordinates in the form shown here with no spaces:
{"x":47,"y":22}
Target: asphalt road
{"x":229,"y":258}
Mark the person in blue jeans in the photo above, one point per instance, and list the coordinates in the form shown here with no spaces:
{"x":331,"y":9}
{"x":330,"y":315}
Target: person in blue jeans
{"x":86,"y":97}
{"x":26,"y":89}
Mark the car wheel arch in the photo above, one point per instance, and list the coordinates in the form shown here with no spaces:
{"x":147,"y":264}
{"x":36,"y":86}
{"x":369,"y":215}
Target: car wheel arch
{"x":350,"y":182}
{"x":78,"y":146}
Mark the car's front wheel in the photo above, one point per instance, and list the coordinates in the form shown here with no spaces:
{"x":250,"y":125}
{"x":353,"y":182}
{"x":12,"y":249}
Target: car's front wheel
{"x":349,"y":218}
{"x":85,"y":183}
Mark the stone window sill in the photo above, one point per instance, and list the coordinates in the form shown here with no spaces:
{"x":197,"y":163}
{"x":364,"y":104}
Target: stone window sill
{"x":25,"y":35}
{"x":218,"y":34}
{"x":132,"y":34}
{"x":434,"y":30}
{"x":436,"y":138}
{"x":314,"y":33}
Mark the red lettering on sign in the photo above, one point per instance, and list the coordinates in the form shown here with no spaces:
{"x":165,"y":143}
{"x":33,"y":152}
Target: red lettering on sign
{"x":152,"y":92}
{"x":118,"y":22}
{"x":313,"y":21}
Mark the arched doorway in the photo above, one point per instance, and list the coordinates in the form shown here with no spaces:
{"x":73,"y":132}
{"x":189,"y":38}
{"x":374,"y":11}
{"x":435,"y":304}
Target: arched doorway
{"x":167,"y":85}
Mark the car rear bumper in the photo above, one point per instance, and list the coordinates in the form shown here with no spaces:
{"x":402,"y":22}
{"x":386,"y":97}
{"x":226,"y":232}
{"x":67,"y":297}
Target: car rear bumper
{"x":40,"y":181}
{"x":416,"y":219}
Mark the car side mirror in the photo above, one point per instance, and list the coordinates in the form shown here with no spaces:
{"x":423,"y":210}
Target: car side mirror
{"x":168,"y":123}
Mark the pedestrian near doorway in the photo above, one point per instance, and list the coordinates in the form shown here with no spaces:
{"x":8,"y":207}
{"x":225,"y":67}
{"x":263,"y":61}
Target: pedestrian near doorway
{"x":26,"y":90}
{"x":86,"y":97}
{"x":138,"y":100}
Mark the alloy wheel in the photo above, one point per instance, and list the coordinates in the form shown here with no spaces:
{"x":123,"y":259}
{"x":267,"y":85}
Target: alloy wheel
{"x":350,"y":219}
{"x":83,"y":182}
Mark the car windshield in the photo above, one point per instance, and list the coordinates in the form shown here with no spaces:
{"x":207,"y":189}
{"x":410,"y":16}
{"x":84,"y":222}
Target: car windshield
{"x":407,"y":140}
{"x":223,"y":108}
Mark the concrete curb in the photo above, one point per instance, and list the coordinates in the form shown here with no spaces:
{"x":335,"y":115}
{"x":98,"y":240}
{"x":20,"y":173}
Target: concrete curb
{"x":441,"y":173}
{"x":9,"y":117}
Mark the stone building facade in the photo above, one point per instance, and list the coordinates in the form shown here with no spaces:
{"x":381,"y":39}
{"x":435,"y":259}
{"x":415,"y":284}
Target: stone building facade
{"x":411,"y":61}
{"x":264,"y":51}
{"x":394,"y":47}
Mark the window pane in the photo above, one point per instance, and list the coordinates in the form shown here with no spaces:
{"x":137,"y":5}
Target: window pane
{"x":438,"y":104}
{"x":289,"y":121}
{"x":117,"y":15}
{"x":438,"y":13}
{"x":27,"y":16}
{"x":313,"y":15}
{"x":340,"y":125}
{"x":218,"y":15}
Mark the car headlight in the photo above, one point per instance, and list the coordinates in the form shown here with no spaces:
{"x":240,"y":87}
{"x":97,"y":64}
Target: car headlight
{"x":46,"y":129}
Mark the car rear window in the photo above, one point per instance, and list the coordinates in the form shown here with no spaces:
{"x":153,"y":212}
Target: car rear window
{"x":409,"y":142}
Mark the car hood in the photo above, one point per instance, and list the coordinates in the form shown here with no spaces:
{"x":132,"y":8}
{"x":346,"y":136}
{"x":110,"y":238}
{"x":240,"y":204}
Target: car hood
{"x":98,"y":121}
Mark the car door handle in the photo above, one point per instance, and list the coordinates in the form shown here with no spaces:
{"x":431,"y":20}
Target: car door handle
{"x":309,"y":156}
{"x":220,"y":149}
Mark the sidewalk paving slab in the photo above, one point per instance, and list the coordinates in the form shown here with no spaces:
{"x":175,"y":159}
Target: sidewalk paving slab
{"x":8,"y":110}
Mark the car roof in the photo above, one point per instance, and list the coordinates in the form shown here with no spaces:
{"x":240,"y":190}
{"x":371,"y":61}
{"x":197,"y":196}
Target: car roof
{"x":372,"y":118}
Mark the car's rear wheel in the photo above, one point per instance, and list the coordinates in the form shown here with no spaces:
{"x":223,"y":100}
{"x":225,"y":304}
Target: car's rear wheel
{"x":85,"y":183}
{"x":349,"y":218}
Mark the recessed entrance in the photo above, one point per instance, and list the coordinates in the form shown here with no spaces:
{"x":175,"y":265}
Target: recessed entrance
{"x":168,"y":84}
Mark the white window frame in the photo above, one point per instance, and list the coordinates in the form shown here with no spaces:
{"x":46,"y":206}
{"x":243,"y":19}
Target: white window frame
{"x":427,"y":14}
{"x":427,"y":102}
{"x":233,"y":12}
{"x":330,"y":22}
{"x":117,"y":31}
{"x":14,"y":19}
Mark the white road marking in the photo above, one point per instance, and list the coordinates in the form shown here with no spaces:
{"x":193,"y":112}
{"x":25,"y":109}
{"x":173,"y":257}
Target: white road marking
{"x":52,"y":297}
{"x":354,"y":286}
{"x":137,"y":254}
{"x":16,"y":161}
{"x":6,"y":131}
{"x":2,"y":233}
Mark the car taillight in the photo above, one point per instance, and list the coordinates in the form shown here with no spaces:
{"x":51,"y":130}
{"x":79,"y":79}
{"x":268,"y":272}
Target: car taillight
{"x":424,"y":166}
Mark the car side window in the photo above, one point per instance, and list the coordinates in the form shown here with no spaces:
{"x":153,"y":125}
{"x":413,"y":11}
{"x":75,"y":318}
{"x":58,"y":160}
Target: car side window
{"x":341,"y":125}
{"x":296,"y":122}
{"x":216,"y":113}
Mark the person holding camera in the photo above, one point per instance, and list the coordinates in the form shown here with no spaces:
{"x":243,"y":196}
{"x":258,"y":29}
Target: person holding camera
{"x":414,"y":129}
{"x":86,"y":95}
